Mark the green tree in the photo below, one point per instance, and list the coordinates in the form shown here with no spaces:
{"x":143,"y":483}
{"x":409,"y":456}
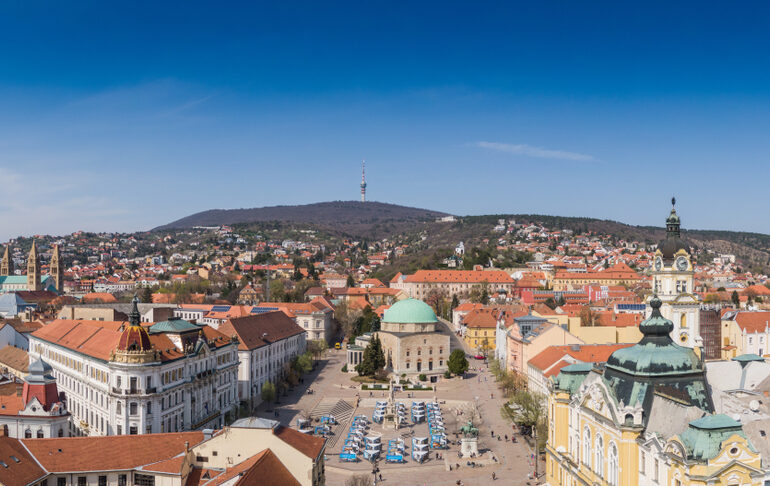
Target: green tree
{"x":373,"y":359}
{"x":268,"y":392}
{"x":351,"y":281}
{"x":736,"y":300}
{"x":458,"y":364}
{"x":147,"y":295}
{"x":302,"y":363}
{"x":455,"y":301}
{"x":277,"y":291}
{"x":528,"y":409}
{"x":550,"y":303}
{"x":317,"y":347}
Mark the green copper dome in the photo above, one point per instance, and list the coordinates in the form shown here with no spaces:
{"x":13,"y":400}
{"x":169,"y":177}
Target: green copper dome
{"x":657,"y":364}
{"x":410,"y":311}
{"x":703,"y":438}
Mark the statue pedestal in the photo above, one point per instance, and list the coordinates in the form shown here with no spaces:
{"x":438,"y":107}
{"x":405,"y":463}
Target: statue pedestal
{"x":469,"y":446}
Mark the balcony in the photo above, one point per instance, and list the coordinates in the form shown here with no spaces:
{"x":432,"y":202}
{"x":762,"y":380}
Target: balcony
{"x":150,"y":390}
{"x":204,"y":420}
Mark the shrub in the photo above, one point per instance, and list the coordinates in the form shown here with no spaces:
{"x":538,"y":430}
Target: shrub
{"x":345,"y":368}
{"x":447,"y":374}
{"x":423,"y":377}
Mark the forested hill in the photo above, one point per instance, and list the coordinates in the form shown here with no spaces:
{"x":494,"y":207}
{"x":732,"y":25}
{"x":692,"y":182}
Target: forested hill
{"x":352,"y":217}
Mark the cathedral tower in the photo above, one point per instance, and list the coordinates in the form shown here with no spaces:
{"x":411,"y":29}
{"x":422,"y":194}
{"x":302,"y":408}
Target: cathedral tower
{"x":672,"y":282}
{"x":33,"y":269}
{"x":6,"y":264}
{"x":56,"y":270}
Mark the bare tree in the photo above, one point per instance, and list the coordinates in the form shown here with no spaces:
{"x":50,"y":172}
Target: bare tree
{"x":359,"y":480}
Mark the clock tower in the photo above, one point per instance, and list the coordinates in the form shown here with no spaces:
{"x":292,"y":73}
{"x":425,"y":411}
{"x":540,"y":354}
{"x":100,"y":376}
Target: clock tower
{"x":672,"y":282}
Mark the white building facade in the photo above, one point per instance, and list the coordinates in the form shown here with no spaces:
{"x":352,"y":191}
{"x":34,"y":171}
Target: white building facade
{"x":117,"y":379}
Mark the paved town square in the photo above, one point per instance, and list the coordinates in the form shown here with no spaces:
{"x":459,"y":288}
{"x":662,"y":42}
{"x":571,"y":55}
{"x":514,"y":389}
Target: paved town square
{"x":333,"y":392}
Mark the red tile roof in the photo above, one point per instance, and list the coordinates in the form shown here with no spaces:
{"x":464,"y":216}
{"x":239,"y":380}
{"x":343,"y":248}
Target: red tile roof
{"x":258,"y":330}
{"x":73,"y":454}
{"x":586,"y":353}
{"x":460,"y":276}
{"x":25,"y":471}
{"x":753,"y":321}
{"x":309,"y":445}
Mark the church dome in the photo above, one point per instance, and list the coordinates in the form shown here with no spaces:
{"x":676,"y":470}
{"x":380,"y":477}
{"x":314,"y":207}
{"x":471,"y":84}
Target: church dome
{"x":134,"y":337}
{"x":410,"y":311}
{"x":656,"y":363}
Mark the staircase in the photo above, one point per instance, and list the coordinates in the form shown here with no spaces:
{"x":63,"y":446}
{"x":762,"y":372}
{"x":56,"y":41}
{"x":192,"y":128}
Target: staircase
{"x":342,"y":411}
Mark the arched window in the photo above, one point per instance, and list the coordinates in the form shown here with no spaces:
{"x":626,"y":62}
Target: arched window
{"x":27,"y":434}
{"x":599,"y":462}
{"x":40,"y":434}
{"x":612,"y":465}
{"x":683,"y":321}
{"x":587,"y":447}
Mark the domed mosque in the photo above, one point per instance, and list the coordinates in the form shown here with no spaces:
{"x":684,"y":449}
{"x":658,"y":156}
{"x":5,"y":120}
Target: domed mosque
{"x":411,"y":341}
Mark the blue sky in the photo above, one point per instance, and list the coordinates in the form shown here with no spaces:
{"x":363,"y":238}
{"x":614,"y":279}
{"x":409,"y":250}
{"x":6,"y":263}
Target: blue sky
{"x":124,"y":117}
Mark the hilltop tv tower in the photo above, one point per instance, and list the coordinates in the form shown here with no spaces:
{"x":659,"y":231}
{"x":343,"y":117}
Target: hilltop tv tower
{"x":363,"y":181}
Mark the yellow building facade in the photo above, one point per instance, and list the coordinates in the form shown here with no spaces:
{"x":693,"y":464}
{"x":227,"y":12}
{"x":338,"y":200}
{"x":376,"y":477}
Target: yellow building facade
{"x":646,"y":418}
{"x":480,"y":338}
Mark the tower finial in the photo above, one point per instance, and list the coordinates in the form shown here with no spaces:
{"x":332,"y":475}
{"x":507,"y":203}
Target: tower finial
{"x":673,"y":201}
{"x":134,"y":316}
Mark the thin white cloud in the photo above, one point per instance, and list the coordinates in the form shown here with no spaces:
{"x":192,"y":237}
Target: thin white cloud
{"x":539,"y":152}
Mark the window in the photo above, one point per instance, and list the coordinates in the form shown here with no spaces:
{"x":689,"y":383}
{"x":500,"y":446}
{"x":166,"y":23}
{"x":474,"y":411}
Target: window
{"x":122,"y":480}
{"x":133,"y":430}
{"x":655,"y":471}
{"x":144,"y":480}
{"x":587,"y":447}
{"x":40,"y":434}
{"x":612,"y":466}
{"x":132,"y":408}
{"x":599,"y":462}
{"x":27,"y":434}
{"x":102,"y":480}
{"x":61,"y":481}
{"x":120,"y":430}
{"x":642,"y":463}
{"x":81,"y":481}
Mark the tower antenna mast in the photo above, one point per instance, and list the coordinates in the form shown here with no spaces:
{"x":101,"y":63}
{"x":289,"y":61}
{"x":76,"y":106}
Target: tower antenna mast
{"x":363,"y":181}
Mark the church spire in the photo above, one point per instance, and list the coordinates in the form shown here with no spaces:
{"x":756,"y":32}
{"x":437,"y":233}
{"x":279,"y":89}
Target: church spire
{"x":6,"y":264}
{"x":56,"y":270}
{"x":33,"y":269}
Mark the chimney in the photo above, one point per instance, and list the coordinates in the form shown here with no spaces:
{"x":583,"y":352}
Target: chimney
{"x":186,"y":446}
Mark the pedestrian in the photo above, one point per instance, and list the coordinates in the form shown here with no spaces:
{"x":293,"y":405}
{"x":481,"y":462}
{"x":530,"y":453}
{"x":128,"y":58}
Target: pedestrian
{"x":493,"y":476}
{"x":506,"y":437}
{"x":492,"y":433}
{"x":380,"y":477}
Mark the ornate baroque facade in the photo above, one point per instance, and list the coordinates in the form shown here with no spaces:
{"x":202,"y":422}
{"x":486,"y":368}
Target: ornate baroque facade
{"x":645,"y":418}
